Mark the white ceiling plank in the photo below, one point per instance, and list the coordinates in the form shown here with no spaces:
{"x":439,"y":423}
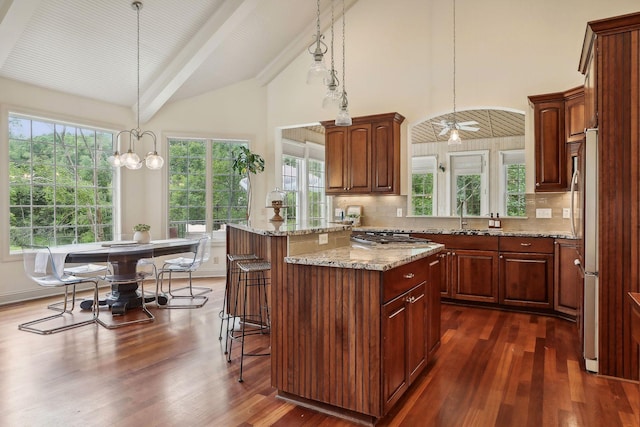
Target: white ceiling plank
{"x":301,"y":43}
{"x":208,"y":38}
{"x":14,"y":16}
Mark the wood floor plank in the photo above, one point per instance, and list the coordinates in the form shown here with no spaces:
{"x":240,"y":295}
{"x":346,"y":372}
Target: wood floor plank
{"x":493,"y":369}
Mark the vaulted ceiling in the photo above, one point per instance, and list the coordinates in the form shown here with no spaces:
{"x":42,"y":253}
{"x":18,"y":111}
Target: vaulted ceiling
{"x":187,"y":47}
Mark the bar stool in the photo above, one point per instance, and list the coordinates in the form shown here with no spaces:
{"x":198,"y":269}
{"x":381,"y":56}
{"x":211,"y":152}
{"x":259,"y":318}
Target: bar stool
{"x":251,"y":274}
{"x":232,"y":268}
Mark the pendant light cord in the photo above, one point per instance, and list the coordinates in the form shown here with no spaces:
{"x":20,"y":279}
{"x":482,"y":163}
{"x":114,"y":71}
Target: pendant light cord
{"x":344,"y":81}
{"x":138,"y":65}
{"x":454,"y":63}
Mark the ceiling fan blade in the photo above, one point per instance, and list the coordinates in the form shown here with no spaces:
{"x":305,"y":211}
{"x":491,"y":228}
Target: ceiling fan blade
{"x":443,"y":131}
{"x":442,"y":123}
{"x":469,"y":128}
{"x":468,"y":123}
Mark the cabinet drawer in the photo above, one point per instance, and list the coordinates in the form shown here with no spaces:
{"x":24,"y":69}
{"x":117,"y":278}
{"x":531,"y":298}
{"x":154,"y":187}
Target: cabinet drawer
{"x":454,"y":241}
{"x":540,"y":245}
{"x":400,"y":279}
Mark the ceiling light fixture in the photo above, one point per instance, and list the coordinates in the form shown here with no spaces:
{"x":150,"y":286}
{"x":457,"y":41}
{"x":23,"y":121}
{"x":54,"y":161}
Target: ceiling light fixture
{"x":318,"y":71}
{"x":343,"y":119}
{"x":454,"y":136}
{"x":332,"y":96}
{"x":130,"y":159}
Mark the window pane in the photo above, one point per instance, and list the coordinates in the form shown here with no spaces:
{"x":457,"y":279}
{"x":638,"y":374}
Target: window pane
{"x":468,"y":193}
{"x":46,"y":183}
{"x":515,"y":190}
{"x":422,"y":193}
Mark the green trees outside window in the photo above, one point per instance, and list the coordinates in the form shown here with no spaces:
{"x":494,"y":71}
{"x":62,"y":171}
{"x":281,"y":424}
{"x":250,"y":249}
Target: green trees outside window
{"x":204,"y":191}
{"x":60,"y":185}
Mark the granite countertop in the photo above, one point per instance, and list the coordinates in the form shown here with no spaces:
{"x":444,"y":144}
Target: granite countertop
{"x":367,"y":257}
{"x":469,"y":232}
{"x":268,"y":228}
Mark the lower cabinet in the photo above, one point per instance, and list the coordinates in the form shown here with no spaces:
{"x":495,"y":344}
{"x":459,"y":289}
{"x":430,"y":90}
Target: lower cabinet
{"x":526,"y":279}
{"x":474,"y":275}
{"x":568,"y":279}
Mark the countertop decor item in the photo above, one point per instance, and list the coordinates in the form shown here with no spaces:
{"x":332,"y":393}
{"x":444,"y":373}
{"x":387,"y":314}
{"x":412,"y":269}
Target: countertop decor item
{"x":275,"y":200}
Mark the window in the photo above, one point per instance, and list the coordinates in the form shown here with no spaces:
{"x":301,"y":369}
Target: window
{"x":303,"y":180}
{"x":204,"y":191}
{"x":512,"y":183}
{"x":61,"y":188}
{"x":468,"y":176}
{"x":423,"y":183}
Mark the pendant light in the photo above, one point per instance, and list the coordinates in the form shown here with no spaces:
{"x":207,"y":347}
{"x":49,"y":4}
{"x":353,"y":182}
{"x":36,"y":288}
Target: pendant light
{"x":318,"y":71}
{"x":454,"y":135}
{"x":333,"y":96}
{"x":130,"y":159}
{"x":343,"y":119}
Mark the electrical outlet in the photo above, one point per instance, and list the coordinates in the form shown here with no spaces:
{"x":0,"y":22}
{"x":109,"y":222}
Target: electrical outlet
{"x":566,"y":213}
{"x":323,"y":239}
{"x":543,"y":213}
{"x":216,"y":260}
{"x":399,"y":212}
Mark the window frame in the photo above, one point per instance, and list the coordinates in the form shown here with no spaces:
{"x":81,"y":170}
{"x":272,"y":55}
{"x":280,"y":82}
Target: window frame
{"x":54,"y":119}
{"x":209,"y":141}
{"x":502,"y":167}
{"x":431,"y":167}
{"x":451,"y":207}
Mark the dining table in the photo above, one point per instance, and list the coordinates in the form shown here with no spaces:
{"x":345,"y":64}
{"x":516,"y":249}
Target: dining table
{"x":123,"y":257}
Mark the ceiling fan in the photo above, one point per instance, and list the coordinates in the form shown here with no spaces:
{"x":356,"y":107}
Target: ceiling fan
{"x":448,"y":125}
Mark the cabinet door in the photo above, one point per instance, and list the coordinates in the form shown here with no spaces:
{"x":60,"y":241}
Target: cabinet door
{"x":474,"y":275}
{"x":590,"y":98}
{"x":359,"y":157}
{"x":385,"y":164}
{"x":433,"y":304}
{"x":574,"y":115}
{"x":567,"y":284}
{"x":526,"y":279}
{"x":394,"y":346}
{"x":417,"y":330}
{"x":336,"y":160}
{"x":550,"y":146}
{"x":445,"y":274}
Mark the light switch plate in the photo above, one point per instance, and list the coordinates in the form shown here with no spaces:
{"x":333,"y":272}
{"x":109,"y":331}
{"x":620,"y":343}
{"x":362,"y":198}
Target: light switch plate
{"x":323,"y":239}
{"x":543,"y":213}
{"x":566,"y":213}
{"x":399,"y":212}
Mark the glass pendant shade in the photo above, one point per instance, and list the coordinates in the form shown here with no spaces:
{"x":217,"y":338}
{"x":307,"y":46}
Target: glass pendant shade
{"x":154,"y":161}
{"x":331,"y":98}
{"x":343,"y":118}
{"x":131,"y":160}
{"x":318,"y":72}
{"x":115,"y":161}
{"x":454,"y":137}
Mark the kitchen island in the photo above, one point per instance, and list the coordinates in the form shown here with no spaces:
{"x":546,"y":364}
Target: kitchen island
{"x":352,"y":326}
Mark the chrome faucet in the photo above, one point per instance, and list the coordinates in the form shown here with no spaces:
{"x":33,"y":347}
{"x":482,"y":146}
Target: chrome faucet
{"x":461,"y":210}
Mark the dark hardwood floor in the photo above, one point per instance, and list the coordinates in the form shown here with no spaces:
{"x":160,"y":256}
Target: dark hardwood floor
{"x":493,"y":369}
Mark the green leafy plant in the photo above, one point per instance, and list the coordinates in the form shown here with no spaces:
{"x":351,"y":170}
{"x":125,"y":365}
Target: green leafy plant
{"x":141,"y":227}
{"x":246,"y":163}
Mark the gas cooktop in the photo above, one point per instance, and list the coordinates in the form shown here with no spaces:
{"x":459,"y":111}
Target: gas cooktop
{"x":386,"y":238}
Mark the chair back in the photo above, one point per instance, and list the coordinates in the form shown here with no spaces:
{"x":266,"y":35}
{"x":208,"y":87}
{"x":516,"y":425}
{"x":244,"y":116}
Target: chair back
{"x":130,"y":263}
{"x":39,"y":265}
{"x":202,"y":253}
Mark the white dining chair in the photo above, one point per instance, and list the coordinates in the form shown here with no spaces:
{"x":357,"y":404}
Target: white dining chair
{"x":187,"y":296}
{"x":39,"y":265}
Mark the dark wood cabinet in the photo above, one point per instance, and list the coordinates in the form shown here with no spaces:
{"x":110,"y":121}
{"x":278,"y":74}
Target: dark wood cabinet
{"x":474,"y":275}
{"x":404,"y":342}
{"x":611,"y":67}
{"x":363,"y":158}
{"x":549,"y":135}
{"x":558,"y":123}
{"x":567,"y":280}
{"x":526,"y":272}
{"x":434,"y":285}
{"x":347,"y":158}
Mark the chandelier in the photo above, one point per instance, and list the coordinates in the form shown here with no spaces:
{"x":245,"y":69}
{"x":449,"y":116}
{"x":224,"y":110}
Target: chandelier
{"x":130,"y":159}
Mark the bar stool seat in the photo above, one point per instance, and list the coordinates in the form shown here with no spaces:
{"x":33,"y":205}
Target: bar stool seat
{"x":232,"y":269}
{"x":252,"y":274}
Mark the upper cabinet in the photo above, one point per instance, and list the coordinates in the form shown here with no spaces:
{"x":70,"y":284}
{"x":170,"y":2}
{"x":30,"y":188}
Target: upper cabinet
{"x":558,"y":121}
{"x":363,"y":158}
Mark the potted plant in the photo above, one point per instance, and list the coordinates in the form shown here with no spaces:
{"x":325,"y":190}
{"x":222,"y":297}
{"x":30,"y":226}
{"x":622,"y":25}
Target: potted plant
{"x":246,"y":163}
{"x":141,"y":233}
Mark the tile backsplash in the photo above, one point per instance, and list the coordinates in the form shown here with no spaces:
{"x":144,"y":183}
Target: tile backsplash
{"x":381,"y":211}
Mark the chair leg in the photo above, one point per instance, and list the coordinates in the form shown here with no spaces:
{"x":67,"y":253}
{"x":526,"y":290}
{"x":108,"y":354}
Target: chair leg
{"x":149,"y":317}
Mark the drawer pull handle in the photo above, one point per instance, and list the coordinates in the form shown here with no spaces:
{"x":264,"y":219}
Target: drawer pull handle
{"x":525,"y":244}
{"x":409,"y":276}
{"x":411,"y":300}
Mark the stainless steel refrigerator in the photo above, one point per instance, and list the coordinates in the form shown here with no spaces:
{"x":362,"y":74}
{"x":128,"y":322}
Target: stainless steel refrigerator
{"x":584,"y":223}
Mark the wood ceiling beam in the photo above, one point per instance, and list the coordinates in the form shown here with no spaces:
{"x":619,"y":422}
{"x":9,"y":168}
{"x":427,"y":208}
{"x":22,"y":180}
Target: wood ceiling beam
{"x":212,"y":34}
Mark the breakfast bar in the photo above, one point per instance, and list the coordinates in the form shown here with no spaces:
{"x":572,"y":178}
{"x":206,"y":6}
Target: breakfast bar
{"x":352,"y":325}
